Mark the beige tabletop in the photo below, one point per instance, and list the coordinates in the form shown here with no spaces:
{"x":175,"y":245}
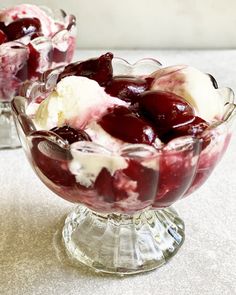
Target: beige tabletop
{"x":32,"y":260}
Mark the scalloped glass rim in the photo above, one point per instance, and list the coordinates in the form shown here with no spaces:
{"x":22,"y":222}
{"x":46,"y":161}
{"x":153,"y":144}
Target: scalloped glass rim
{"x":140,"y":67}
{"x":30,"y":90}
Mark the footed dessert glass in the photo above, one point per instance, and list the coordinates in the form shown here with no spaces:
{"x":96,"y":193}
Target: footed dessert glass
{"x":123,"y":223}
{"x":24,"y":59}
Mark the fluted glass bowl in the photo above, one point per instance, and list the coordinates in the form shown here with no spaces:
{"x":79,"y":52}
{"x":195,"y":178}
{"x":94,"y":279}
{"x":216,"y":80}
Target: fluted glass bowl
{"x":123,"y":223}
{"x":26,"y":59}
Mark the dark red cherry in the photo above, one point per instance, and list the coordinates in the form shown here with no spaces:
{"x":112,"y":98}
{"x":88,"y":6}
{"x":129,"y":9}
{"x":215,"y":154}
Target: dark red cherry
{"x":104,"y":186}
{"x":3,"y":37}
{"x":126,"y":88}
{"x":71,"y":135}
{"x":146,"y":179}
{"x":98,"y":69}
{"x":193,"y":128}
{"x":23,"y":27}
{"x":165,"y":109}
{"x":125,"y":125}
{"x":2,"y":26}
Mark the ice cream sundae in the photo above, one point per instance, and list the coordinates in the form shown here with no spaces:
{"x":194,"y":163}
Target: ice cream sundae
{"x":123,"y":144}
{"x":93,"y":110}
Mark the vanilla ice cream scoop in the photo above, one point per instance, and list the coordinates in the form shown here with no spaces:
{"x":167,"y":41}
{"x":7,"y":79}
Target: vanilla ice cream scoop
{"x":194,"y":86}
{"x":76,"y":101}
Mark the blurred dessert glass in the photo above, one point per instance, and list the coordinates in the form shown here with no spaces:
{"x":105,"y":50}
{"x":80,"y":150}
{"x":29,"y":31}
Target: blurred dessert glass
{"x":32,"y":40}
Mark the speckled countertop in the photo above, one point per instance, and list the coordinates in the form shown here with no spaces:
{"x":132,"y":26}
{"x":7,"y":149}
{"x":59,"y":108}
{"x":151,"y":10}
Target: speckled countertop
{"x":32,"y":260}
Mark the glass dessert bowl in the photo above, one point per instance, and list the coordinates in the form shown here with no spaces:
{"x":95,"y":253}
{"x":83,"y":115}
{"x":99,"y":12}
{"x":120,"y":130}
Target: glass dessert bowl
{"x":32,"y":40}
{"x":123,"y":223}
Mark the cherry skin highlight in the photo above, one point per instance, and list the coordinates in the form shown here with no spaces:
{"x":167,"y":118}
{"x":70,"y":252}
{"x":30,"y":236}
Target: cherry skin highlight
{"x":71,"y":135}
{"x":164,"y":109}
{"x":194,"y":128}
{"x":22,"y":27}
{"x":126,"y":88}
{"x":125,"y":125}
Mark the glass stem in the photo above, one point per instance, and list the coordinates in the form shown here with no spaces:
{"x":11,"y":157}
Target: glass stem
{"x":8,"y":134}
{"x":120,"y":243}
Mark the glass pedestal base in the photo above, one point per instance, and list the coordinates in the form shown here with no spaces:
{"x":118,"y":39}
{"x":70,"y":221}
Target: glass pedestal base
{"x":8,"y":135}
{"x":123,"y":244}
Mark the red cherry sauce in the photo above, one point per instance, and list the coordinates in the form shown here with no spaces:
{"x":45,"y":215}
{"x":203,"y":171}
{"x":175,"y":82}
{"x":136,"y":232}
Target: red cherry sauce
{"x":128,"y":190}
{"x":52,"y":161}
{"x":209,"y":157}
{"x":176,"y":172}
{"x":31,"y":66}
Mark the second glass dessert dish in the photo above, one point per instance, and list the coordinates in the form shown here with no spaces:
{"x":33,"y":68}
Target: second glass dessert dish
{"x":32,"y":40}
{"x":124,"y":142}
